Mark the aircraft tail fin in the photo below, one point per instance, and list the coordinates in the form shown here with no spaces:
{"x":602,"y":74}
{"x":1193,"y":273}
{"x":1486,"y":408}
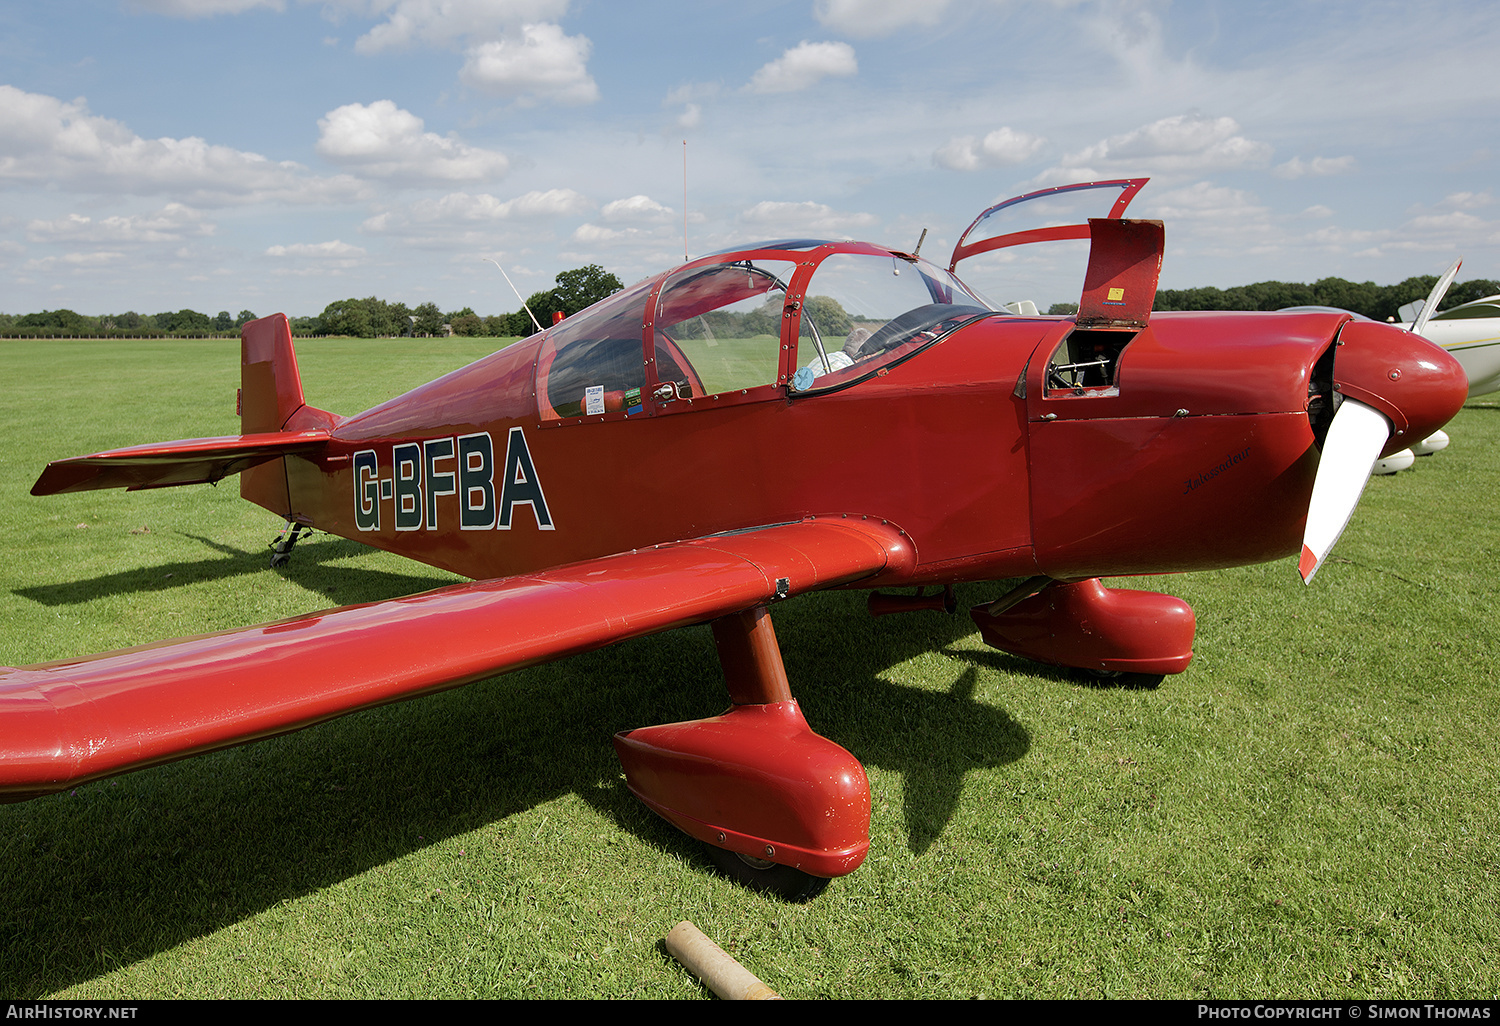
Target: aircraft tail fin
{"x":271,"y":401}
{"x":270,"y":385}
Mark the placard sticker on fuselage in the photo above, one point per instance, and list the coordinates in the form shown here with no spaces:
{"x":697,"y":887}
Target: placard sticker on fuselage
{"x":411,"y":494}
{"x":593,"y":399}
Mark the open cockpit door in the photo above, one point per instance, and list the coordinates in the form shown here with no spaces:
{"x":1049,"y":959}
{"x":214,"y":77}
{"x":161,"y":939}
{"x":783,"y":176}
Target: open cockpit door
{"x":1115,"y":305}
{"x":988,"y":232}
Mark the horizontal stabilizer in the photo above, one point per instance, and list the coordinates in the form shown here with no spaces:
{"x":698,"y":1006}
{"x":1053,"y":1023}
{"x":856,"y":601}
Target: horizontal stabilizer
{"x":65,"y":723}
{"x":164,"y":464}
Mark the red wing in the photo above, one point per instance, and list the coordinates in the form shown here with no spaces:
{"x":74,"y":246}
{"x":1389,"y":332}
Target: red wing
{"x":65,"y":723}
{"x":190,"y":461}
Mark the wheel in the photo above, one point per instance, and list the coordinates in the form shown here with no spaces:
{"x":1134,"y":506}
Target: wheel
{"x":280,"y":559}
{"x":785,"y":882}
{"x":1122,"y":679}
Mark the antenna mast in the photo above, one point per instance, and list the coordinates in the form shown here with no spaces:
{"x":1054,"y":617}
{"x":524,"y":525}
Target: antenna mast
{"x":515,"y":290}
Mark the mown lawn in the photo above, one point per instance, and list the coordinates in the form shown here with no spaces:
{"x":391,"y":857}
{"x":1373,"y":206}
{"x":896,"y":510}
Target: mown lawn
{"x":1309,"y":811}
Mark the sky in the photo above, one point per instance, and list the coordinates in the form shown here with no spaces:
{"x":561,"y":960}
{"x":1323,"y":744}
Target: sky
{"x":281,"y":155}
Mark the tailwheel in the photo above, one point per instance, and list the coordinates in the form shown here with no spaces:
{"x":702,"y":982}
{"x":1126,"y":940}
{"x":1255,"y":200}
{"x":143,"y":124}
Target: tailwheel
{"x":785,"y":882}
{"x":1122,"y":679}
{"x":281,"y":548}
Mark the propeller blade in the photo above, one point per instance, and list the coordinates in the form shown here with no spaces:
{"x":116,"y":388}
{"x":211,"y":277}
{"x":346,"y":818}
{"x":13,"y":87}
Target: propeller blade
{"x":1435,"y":297}
{"x":1355,"y":438}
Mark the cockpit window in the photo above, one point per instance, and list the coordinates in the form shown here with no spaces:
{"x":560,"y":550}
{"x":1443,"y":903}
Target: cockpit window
{"x":863,"y":311}
{"x":592,"y":363}
{"x":718,"y":328}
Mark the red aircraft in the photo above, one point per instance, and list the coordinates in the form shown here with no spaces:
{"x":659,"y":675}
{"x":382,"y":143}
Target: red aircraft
{"x":755,"y":424}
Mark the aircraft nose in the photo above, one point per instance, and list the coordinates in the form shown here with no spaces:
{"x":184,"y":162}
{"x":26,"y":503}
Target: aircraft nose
{"x":1415,"y":384}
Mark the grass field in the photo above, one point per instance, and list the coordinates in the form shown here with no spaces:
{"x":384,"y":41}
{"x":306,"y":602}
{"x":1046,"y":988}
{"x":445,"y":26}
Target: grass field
{"x":1309,"y":811}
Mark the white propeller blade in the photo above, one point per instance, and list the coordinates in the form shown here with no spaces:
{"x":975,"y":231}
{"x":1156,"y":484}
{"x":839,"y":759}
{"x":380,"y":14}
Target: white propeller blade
{"x":1435,"y":297}
{"x":1355,"y":438}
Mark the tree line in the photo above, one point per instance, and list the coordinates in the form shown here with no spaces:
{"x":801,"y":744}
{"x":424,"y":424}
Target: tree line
{"x":371,"y":317}
{"x":69,"y":324}
{"x":1378,"y":302}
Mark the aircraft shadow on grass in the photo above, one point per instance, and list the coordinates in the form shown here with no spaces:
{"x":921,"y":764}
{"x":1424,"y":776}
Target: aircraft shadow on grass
{"x":340,"y":585}
{"x":245,"y":829}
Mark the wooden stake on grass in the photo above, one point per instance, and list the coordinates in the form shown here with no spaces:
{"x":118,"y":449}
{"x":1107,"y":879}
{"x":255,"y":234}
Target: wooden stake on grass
{"x":713,"y":965}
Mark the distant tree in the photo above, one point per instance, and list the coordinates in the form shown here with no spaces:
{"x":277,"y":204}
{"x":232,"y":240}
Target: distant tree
{"x":183,"y":320}
{"x":244,"y":318}
{"x":65,"y":320}
{"x":429,"y":320}
{"x":583,"y":287}
{"x":498,"y":326}
{"x":829,"y":315}
{"x":766,"y":320}
{"x":1062,"y":308}
{"x":1467,"y":292}
{"x":466,"y":322}
{"x":192,"y":320}
{"x":222,"y":321}
{"x":345,"y":317}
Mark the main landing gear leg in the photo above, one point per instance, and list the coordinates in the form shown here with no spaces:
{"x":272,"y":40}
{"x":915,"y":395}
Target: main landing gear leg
{"x":281,"y":548}
{"x":781,"y":808}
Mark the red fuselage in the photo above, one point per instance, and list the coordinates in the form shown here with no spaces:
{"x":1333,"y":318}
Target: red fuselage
{"x":1202,"y":455}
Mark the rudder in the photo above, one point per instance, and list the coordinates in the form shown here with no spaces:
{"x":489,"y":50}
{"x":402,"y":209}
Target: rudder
{"x":270,"y":386}
{"x":271,"y":400}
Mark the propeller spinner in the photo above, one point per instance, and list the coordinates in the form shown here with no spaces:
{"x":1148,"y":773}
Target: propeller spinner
{"x":1395,"y":387}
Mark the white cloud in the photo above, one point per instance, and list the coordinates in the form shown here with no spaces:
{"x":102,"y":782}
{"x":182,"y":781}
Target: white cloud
{"x":75,"y":261}
{"x":1204,"y":201}
{"x":592,"y":233}
{"x":446,"y":22}
{"x":335,"y":250}
{"x":460,"y":210}
{"x":44,"y":140}
{"x":999,"y":148}
{"x":1467,"y":200}
{"x":1317,"y":167}
{"x":384,"y":141}
{"x":1185,"y":142}
{"x":1453,"y":224}
{"x":540,"y":63}
{"x":864,"y":19}
{"x":636,"y":209}
{"x":804,"y":65}
{"x":203,"y":8}
{"x":771,"y":215}
{"x":512,"y":48}
{"x":172,"y":223}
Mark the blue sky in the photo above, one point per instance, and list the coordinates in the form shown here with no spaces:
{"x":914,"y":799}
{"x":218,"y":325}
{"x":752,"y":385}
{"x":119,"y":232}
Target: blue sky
{"x":282,"y":154}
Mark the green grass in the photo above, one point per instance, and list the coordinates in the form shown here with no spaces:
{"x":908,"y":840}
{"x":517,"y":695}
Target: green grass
{"x":1309,"y":811}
